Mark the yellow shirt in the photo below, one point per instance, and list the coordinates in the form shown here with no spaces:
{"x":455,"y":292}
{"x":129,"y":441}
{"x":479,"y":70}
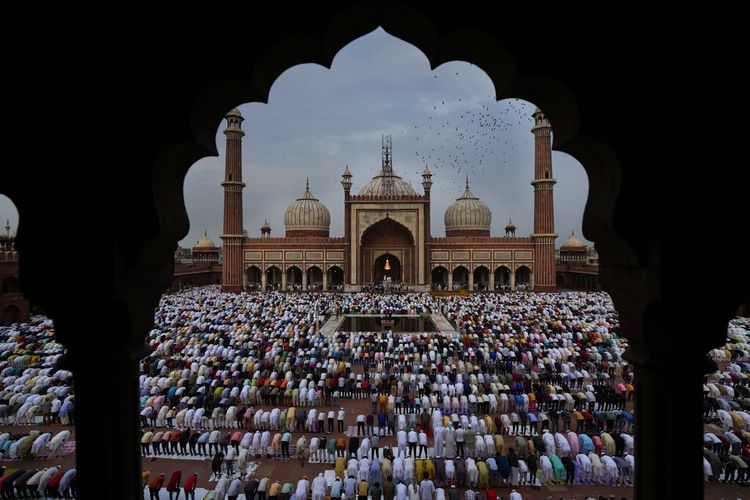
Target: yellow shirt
{"x":362,"y":488}
{"x":275,"y":488}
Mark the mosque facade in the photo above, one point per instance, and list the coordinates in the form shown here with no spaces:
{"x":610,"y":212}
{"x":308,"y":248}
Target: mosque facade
{"x":387,"y":242}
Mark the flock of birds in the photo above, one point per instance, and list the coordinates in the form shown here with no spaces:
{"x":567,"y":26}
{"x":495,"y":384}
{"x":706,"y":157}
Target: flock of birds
{"x":463,"y":138}
{"x":455,"y":137}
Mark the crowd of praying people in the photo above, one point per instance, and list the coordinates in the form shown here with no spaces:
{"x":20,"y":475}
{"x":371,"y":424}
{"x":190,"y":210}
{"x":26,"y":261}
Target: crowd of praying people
{"x":726,"y":404}
{"x":47,"y":482}
{"x":545,"y":368}
{"x":529,"y":389}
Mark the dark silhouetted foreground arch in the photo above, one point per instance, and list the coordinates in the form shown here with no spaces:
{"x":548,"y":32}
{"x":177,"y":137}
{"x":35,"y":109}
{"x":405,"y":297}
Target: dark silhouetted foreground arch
{"x":101,"y":123}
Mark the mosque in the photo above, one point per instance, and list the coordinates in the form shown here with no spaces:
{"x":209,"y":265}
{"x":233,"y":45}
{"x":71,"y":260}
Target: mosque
{"x":387,"y":242}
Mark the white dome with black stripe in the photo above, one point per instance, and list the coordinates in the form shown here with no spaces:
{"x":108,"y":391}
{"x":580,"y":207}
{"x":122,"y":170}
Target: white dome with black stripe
{"x":468,"y":212}
{"x":307,"y":212}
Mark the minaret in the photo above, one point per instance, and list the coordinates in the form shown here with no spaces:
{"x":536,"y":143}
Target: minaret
{"x":426,"y":181}
{"x":427,"y":185}
{"x":544,"y":211}
{"x":510,"y":229}
{"x":231,"y":276}
{"x":346,"y":183}
{"x":265,"y":230}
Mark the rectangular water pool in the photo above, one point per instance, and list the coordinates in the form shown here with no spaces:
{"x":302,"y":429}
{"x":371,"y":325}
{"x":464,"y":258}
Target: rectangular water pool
{"x":400,"y":324}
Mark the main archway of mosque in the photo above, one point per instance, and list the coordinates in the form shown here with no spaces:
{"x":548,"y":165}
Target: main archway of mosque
{"x":387,"y":240}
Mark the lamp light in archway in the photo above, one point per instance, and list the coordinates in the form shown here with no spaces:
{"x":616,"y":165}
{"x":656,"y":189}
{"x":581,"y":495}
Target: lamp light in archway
{"x":387,"y":266}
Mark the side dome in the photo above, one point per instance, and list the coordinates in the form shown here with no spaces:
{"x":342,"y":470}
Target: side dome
{"x":307,"y":216}
{"x":205,"y":251}
{"x":205,"y":242}
{"x":573,"y":243}
{"x":468,"y":216}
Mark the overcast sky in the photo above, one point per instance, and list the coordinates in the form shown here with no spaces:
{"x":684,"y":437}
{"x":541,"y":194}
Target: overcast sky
{"x":318,"y":121}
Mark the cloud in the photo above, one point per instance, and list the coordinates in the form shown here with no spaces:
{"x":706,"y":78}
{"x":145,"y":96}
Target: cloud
{"x":318,"y":121}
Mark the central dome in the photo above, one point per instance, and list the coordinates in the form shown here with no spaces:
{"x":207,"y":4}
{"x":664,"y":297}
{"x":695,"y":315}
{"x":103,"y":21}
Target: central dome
{"x":307,"y":216}
{"x":387,"y":182}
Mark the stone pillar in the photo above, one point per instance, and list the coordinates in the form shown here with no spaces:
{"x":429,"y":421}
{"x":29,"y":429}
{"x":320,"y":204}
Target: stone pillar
{"x":116,"y":472}
{"x":471,"y":281}
{"x":304,"y":280}
{"x":325,"y":280}
{"x":283,"y":280}
{"x":531,"y":281}
{"x":492,"y":280}
{"x":450,"y":280}
{"x":512,"y":275}
{"x":116,"y":447}
{"x":668,"y":403}
{"x":667,"y":416}
{"x":263,"y":280}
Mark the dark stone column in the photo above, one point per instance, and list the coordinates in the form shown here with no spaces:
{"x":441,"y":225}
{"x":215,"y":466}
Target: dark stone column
{"x":105,"y":346}
{"x":669,"y":335}
{"x":106,"y":419}
{"x":668,"y":416}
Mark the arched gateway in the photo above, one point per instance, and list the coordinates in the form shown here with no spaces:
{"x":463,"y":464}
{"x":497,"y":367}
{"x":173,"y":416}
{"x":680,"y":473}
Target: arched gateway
{"x":387,"y":240}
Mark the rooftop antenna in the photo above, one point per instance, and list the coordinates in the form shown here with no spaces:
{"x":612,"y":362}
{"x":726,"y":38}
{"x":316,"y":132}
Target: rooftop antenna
{"x":387,"y":153}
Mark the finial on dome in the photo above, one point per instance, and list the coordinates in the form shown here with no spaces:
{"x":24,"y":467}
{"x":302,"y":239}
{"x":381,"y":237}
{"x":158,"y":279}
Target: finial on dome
{"x":387,"y":153}
{"x":467,"y":181}
{"x":307,"y":184}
